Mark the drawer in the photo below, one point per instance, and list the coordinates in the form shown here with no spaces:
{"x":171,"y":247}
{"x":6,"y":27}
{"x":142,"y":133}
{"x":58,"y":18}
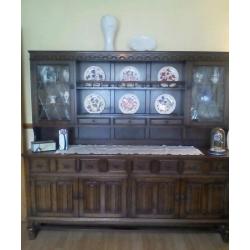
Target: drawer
{"x":165,"y":122}
{"x":89,"y":166}
{"x":153,"y":166}
{"x":219,"y":167}
{"x":65,"y":165}
{"x":130,"y":121}
{"x":94,"y":121}
{"x":39,"y":165}
{"x":196,"y":167}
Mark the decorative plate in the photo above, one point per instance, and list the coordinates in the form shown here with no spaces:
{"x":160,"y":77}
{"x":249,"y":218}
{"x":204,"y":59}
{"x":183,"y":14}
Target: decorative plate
{"x":168,"y":73}
{"x":130,"y":73}
{"x":94,"y":73}
{"x":94,"y":103}
{"x":129,"y":104}
{"x":165,"y":104}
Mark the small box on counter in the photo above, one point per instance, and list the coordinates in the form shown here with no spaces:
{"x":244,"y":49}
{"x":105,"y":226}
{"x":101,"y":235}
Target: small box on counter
{"x":43,"y":146}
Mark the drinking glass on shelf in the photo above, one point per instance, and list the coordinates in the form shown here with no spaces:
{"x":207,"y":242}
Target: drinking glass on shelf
{"x":198,"y":77}
{"x":66,"y":96}
{"x":52,"y":99}
{"x":215,"y":75}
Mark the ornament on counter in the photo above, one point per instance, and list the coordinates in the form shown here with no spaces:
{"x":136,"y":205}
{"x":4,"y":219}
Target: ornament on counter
{"x":218,"y":142}
{"x":63,"y":139}
{"x":109,"y":26}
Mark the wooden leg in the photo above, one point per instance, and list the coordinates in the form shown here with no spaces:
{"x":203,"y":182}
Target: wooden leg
{"x":224,"y":231}
{"x":32,"y":231}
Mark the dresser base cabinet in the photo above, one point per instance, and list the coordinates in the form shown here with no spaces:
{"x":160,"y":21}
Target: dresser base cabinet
{"x":134,"y":191}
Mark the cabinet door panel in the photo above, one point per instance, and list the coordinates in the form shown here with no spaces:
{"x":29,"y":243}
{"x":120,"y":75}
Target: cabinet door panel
{"x":52,"y":94}
{"x":102,"y":197}
{"x":157,"y":197}
{"x":209,"y":93}
{"x":53,"y":196}
{"x":204,"y":198}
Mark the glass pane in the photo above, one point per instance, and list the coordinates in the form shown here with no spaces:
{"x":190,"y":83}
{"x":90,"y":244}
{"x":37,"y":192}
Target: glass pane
{"x":53,"y":92}
{"x":208,"y":94}
{"x":53,"y":73}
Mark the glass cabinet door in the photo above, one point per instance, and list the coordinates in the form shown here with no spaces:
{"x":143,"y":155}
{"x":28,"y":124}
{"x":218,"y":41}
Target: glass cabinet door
{"x":53,"y":84}
{"x":208,"y":94}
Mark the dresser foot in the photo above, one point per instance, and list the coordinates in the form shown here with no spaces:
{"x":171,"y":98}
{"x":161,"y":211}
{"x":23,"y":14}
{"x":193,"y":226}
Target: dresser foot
{"x":224,"y":231}
{"x":32,"y":231}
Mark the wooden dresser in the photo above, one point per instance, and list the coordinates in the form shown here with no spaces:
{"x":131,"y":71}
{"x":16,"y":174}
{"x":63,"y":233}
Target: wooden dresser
{"x":128,"y":190}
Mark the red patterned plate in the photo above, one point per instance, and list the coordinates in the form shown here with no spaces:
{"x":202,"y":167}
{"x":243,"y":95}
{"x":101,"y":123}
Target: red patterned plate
{"x":129,"y":104}
{"x":168,"y":74}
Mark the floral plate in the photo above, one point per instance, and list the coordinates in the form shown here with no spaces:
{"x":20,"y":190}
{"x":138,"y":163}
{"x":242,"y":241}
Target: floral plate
{"x":165,"y":104}
{"x":168,"y":73}
{"x":94,"y":103}
{"x":130,"y":73}
{"x":129,"y":104}
{"x":94,"y":73}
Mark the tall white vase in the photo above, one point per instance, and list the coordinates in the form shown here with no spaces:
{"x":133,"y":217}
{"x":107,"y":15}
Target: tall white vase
{"x":109,"y":25}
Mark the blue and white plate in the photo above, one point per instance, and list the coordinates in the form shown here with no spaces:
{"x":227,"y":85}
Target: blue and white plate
{"x":165,"y":104}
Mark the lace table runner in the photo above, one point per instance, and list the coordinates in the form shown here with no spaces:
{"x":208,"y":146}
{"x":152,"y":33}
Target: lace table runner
{"x":130,"y":150}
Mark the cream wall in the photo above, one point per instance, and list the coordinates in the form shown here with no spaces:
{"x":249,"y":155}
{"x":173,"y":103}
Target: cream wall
{"x":198,"y":25}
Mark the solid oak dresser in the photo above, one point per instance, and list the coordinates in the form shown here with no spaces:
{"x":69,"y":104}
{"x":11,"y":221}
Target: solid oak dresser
{"x":128,"y":190}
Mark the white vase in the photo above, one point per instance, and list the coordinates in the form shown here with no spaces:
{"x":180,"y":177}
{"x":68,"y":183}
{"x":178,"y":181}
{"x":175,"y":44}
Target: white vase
{"x":109,"y":25}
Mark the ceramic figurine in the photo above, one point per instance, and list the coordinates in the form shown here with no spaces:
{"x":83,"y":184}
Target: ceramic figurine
{"x":109,"y":25}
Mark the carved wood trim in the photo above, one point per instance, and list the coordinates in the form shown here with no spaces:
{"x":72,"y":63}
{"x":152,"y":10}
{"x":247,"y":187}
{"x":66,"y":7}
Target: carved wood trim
{"x":128,"y":56}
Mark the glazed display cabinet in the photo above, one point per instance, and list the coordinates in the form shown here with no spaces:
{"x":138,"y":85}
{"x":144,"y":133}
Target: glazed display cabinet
{"x":128,"y":98}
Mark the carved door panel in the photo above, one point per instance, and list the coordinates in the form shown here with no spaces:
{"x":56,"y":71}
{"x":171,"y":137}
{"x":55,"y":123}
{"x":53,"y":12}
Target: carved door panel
{"x":102,"y":197}
{"x":204,"y":198}
{"x":155,"y":197}
{"x":54,"y":196}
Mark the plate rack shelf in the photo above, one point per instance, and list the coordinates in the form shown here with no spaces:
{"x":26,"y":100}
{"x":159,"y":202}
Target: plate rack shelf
{"x":62,"y":80}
